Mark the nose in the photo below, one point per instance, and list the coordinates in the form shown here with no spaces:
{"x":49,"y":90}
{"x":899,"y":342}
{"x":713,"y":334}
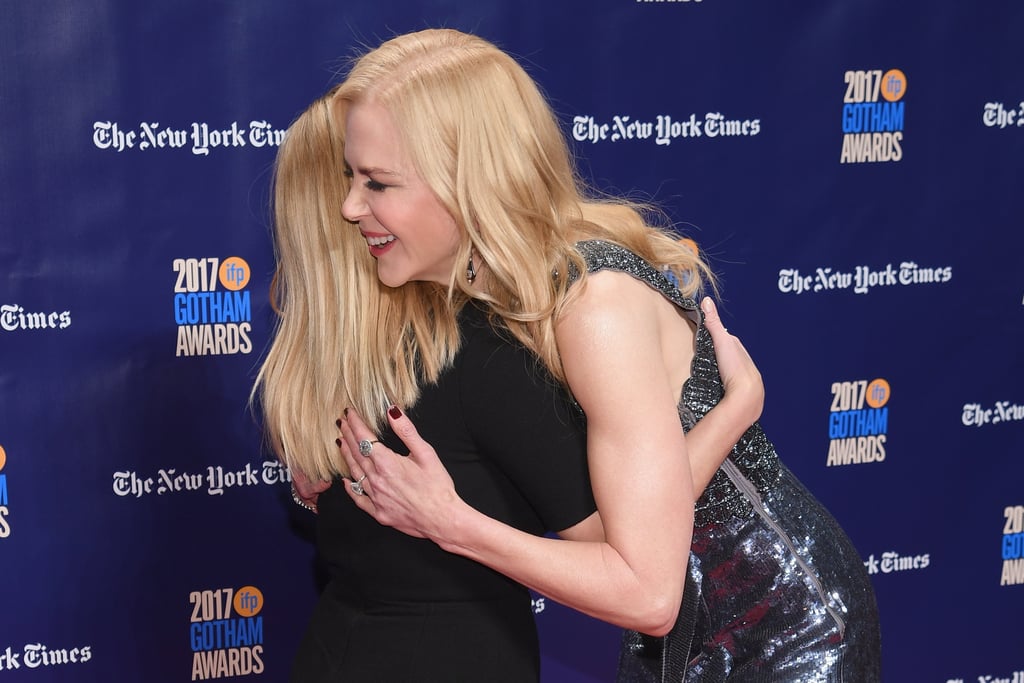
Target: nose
{"x":354,"y":206}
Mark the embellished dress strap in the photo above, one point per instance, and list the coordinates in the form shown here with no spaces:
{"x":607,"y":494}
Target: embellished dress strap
{"x":600,"y":255}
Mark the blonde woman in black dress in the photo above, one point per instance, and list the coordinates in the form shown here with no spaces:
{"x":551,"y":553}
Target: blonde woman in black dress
{"x":462,"y":190}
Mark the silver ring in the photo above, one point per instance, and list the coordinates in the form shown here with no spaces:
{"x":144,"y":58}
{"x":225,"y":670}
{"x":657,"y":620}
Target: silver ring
{"x":365,"y":446}
{"x":357,"y":486}
{"x":301,"y":503}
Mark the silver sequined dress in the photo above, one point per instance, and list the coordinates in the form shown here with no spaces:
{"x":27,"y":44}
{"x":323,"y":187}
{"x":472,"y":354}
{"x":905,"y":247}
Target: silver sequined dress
{"x":775,"y":590}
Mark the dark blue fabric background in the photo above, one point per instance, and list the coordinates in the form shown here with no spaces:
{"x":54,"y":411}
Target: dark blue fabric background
{"x":110,"y":581}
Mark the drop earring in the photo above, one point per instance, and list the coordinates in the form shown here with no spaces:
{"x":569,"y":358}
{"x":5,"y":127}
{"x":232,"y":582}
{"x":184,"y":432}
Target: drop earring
{"x":470,"y":269}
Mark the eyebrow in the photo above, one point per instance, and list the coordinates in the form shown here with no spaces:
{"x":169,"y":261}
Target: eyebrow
{"x":373,"y":171}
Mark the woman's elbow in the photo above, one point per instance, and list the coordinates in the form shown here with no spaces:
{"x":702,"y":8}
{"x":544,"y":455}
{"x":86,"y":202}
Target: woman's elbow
{"x":660,"y":614}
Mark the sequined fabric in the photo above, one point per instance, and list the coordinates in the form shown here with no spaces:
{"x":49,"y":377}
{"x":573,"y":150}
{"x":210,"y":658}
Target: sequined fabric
{"x":775,"y":590}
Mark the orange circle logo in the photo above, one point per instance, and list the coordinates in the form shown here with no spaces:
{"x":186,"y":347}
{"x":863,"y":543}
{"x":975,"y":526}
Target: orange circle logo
{"x":690,"y":244}
{"x":894,"y":85}
{"x":877,"y":393}
{"x":234,"y":273}
{"x":3,"y":457}
{"x":248,"y":601}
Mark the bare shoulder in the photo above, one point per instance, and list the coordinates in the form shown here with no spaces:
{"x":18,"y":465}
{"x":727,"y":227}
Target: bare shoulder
{"x":609,"y":298}
{"x":610,"y":323}
{"x":620,"y":334}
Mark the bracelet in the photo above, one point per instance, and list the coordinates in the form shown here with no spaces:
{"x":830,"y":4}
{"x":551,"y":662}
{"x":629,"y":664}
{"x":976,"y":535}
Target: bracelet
{"x":301,"y":503}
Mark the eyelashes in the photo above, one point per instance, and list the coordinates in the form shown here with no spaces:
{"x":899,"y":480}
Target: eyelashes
{"x":370,"y":184}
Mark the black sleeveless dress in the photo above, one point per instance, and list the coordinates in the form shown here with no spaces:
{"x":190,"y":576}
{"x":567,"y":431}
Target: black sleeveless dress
{"x":399,"y":608}
{"x":775,"y":589}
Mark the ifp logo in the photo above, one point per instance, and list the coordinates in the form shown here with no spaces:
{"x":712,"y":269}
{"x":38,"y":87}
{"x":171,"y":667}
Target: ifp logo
{"x":234,"y":273}
{"x":894,"y":84}
{"x":877,"y":393}
{"x":248,"y":601}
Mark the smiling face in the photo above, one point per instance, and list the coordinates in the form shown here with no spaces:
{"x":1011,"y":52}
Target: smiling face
{"x":407,"y":229}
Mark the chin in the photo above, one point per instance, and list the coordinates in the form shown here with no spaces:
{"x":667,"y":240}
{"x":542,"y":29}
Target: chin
{"x":396,"y":280}
{"x":392,"y":283}
{"x":391,"y":279}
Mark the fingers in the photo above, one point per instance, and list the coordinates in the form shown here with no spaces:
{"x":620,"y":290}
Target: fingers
{"x":405,"y":430}
{"x":740,"y":375}
{"x":365,"y":454}
{"x":362,"y":500}
{"x":348,"y":447}
{"x":712,"y":320}
{"x":719,"y":335}
{"x":401,"y":425}
{"x":358,"y":436}
{"x":359,"y":441}
{"x":394,"y":488}
{"x":357,"y":484}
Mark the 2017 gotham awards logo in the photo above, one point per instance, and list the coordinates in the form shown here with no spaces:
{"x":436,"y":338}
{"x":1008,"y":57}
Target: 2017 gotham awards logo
{"x":211,"y":320}
{"x":5,"y":525}
{"x":873,"y":111}
{"x":858,"y":422}
{"x":1013,"y":546}
{"x":226,"y":632}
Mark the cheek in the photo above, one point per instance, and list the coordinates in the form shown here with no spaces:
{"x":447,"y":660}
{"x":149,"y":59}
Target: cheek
{"x":386,"y":213}
{"x":446,"y":226}
{"x":452,"y":232}
{"x":439,"y":224}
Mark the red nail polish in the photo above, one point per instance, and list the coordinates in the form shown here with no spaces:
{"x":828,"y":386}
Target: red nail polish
{"x":338,"y":442}
{"x":345,"y":412}
{"x":337,"y":423}
{"x":394,"y":412}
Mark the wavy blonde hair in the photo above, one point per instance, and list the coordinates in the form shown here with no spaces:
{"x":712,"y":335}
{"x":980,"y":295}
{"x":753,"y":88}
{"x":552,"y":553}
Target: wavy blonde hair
{"x":482,"y":136}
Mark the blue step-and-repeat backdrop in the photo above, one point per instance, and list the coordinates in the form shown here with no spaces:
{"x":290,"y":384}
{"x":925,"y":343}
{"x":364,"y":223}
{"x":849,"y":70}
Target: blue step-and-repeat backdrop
{"x":854,"y":170}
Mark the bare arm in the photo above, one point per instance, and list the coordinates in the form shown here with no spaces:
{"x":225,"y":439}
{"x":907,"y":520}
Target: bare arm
{"x":712,"y":438}
{"x":709,"y":442}
{"x":640,"y":473}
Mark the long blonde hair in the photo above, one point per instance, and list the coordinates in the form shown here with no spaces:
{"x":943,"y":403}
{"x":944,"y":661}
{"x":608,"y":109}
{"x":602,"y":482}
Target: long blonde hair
{"x":484,"y":139}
